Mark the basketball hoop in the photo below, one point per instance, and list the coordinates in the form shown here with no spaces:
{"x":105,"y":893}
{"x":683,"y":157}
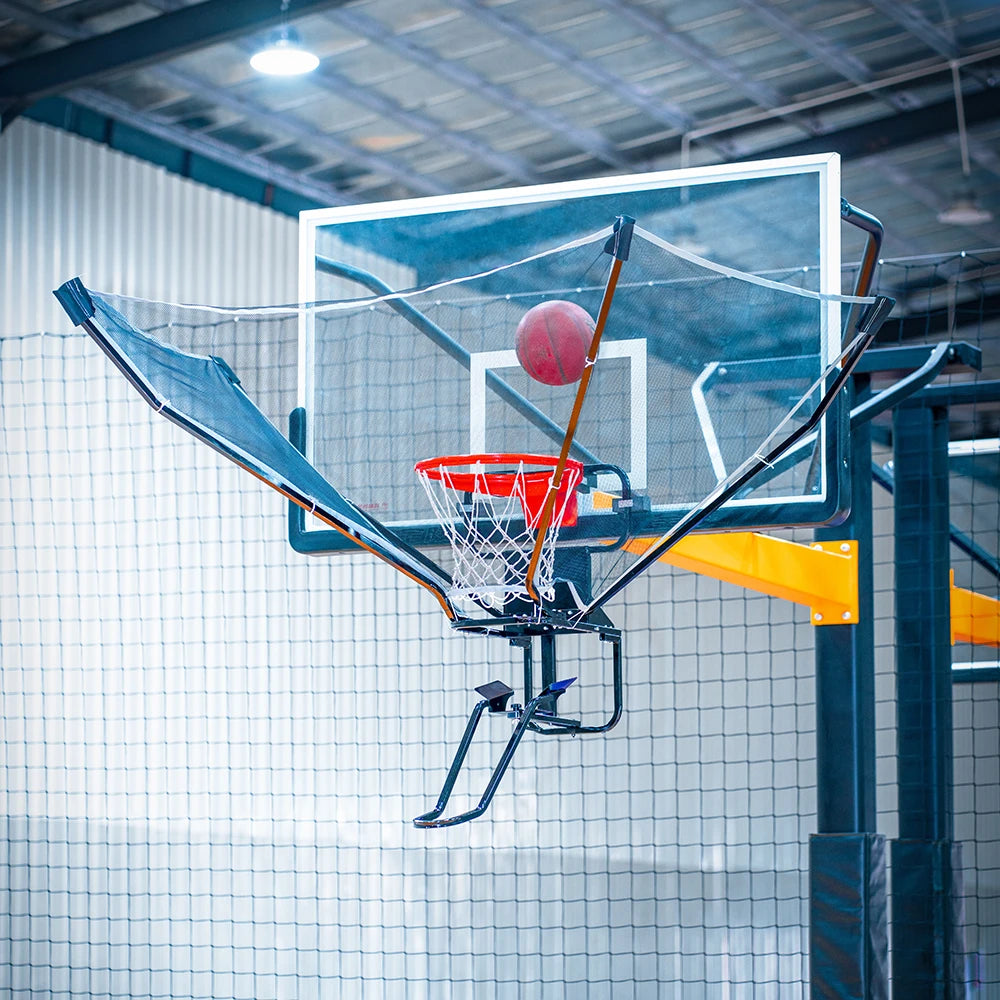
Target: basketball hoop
{"x":489,"y":507}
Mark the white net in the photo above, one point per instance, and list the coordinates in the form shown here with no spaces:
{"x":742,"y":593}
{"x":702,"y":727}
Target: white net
{"x":490,"y":507}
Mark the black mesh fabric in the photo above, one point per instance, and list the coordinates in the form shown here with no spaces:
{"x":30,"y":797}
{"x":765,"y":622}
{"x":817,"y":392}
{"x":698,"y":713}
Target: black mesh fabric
{"x":699,"y":363}
{"x":204,"y":395}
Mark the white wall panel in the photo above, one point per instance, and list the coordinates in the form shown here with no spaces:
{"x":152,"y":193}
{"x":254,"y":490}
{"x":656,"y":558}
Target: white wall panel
{"x":72,"y":207}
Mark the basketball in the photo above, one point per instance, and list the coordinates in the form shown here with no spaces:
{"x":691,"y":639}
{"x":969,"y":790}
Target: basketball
{"x":552,"y":341}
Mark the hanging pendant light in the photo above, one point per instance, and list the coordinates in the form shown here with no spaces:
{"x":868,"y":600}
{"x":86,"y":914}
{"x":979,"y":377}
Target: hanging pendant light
{"x":284,"y":54}
{"x":964,"y":209}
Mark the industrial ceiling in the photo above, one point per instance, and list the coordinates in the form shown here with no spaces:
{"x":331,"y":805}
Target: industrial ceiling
{"x":417,"y":97}
{"x":420,"y":97}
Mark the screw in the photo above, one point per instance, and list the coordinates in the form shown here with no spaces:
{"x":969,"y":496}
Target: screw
{"x":844,"y":547}
{"x":846,"y":616}
{"x":817,"y":617}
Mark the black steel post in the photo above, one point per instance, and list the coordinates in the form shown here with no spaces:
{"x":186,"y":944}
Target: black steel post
{"x":846,"y":856}
{"x":845,"y":667}
{"x":927,"y":957}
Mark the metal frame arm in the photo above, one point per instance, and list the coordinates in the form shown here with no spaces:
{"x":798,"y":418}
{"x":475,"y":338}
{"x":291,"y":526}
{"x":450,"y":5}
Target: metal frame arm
{"x":542,"y":701}
{"x":868,"y":326}
{"x":428,"y":818}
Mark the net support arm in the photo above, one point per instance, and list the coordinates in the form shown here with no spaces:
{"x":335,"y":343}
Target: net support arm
{"x":618,"y":246}
{"x":203,"y":396}
{"x":767,"y":455}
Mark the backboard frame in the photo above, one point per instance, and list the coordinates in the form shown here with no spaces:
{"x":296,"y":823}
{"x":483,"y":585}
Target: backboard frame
{"x":828,"y":505}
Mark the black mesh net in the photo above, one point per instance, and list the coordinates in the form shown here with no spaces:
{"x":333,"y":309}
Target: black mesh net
{"x":698,"y":364}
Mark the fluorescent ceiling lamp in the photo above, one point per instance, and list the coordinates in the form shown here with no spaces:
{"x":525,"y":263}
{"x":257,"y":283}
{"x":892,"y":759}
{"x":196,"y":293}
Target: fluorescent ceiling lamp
{"x":965,"y":211}
{"x":284,"y":55}
{"x":977,"y":446}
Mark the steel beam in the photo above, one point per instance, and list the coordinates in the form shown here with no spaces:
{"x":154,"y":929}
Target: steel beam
{"x":823,"y":577}
{"x":153,"y":40}
{"x":845,"y":664}
{"x":831,"y":54}
{"x":901,"y":129}
{"x":517,"y":168}
{"x":975,"y":618}
{"x":923,"y":620}
{"x":846,"y":857}
{"x":283,"y":123}
{"x":656,"y":107}
{"x":248,"y":163}
{"x":656,"y":26}
{"x":587,"y":139}
{"x":908,"y":17}
{"x":508,"y":164}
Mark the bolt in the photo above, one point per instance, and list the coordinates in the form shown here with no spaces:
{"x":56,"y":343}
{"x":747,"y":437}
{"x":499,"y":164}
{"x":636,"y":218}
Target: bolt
{"x":817,"y":617}
{"x":846,"y":616}
{"x":844,"y":547}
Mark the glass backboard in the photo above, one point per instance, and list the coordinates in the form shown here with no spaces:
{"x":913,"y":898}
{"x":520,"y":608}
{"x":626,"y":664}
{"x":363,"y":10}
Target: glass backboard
{"x":707,"y":344}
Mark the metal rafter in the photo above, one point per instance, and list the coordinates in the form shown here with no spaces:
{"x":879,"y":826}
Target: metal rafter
{"x":938,"y":39}
{"x":657,"y":27}
{"x":836,"y":57}
{"x":926,"y":195}
{"x":155,"y":39}
{"x":908,"y":17}
{"x":657,"y":108}
{"x":42,"y":22}
{"x":508,"y":164}
{"x":587,"y":139}
{"x":515,"y":167}
{"x":78,"y":10}
{"x":284,"y":124}
{"x":212,"y":149}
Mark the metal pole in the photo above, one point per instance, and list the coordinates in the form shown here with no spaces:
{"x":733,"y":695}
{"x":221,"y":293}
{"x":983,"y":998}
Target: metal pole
{"x":846,"y":856}
{"x":927,"y":958}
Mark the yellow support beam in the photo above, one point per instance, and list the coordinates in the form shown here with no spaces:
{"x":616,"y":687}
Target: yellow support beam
{"x":975,"y":617}
{"x":822,"y":576}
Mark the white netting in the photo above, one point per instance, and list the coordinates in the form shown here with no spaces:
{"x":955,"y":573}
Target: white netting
{"x":490,"y":507}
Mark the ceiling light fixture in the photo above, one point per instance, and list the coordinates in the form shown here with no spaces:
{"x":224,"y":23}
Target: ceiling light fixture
{"x":964,"y":209}
{"x":284,"y":54}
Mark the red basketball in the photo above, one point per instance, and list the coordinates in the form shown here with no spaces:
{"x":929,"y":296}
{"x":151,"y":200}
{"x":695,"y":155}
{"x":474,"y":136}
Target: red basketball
{"x":552,"y":341}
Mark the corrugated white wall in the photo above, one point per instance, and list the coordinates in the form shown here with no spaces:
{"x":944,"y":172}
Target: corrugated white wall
{"x":71,"y":207}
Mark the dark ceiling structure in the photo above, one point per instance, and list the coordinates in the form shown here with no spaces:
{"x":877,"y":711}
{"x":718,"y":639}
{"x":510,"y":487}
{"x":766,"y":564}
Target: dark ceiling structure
{"x":424,"y":97}
{"x":419,"y":97}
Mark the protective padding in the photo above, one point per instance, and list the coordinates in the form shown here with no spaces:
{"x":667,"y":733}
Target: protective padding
{"x":847,"y":916}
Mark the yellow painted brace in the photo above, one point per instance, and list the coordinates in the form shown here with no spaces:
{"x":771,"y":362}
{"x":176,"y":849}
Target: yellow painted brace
{"x":975,"y":617}
{"x":822,"y":576}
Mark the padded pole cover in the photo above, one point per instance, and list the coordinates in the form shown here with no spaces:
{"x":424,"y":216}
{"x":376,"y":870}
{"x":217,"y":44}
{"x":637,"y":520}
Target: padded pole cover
{"x":848,"y":940}
{"x":928,"y":938}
